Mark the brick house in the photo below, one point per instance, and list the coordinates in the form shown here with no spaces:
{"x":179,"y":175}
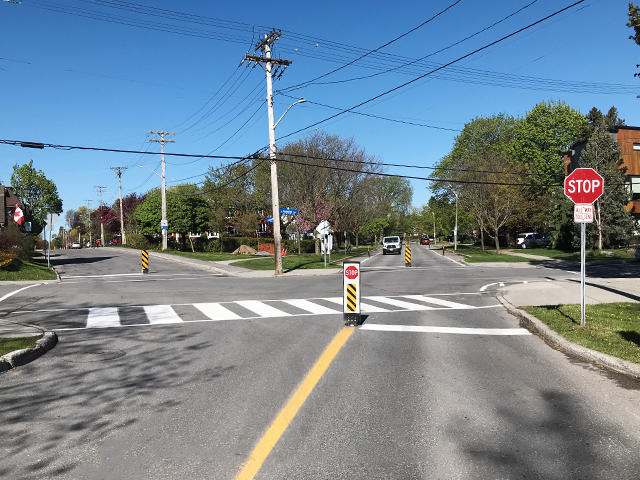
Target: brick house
{"x":8,"y":202}
{"x":629,"y":140}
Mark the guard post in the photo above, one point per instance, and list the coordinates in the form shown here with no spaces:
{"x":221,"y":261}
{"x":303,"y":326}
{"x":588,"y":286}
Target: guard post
{"x":407,"y":256}
{"x":351,"y":293}
{"x":145,"y":261}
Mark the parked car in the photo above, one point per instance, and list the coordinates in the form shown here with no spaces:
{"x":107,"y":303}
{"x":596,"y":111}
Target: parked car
{"x":424,"y":241}
{"x":391,"y":245}
{"x":545,"y":241}
{"x":75,"y":245}
{"x":521,"y":238}
{"x":638,"y":254}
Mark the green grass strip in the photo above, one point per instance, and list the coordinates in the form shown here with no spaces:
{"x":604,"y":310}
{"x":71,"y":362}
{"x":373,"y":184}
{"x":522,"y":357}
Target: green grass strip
{"x":28,"y":271}
{"x":612,"y":328}
{"x":8,"y":345}
{"x":304,"y":262}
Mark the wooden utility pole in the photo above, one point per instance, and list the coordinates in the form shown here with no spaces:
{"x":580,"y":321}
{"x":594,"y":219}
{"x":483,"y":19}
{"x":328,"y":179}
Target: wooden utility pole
{"x":89,"y":214}
{"x":164,"y":225}
{"x":271,"y":66}
{"x":119,"y":174}
{"x":101,"y":224}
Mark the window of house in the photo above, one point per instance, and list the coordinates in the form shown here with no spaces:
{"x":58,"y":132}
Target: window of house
{"x":636,"y":146}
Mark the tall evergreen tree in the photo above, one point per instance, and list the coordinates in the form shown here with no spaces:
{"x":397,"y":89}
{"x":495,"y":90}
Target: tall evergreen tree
{"x":612,"y":222}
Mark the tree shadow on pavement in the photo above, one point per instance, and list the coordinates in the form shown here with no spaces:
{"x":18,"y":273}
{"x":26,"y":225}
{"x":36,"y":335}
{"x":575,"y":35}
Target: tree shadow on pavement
{"x":55,"y":415}
{"x":76,"y":261}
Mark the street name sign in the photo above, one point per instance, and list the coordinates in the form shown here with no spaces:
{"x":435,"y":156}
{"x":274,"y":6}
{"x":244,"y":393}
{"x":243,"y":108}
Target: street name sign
{"x":288,"y":211}
{"x":583,"y":213}
{"x":583,"y":185}
{"x":164,"y":225}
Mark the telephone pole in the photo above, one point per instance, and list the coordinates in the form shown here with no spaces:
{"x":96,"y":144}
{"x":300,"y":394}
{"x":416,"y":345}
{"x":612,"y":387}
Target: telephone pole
{"x":101,"y":224}
{"x":119,"y":174}
{"x":164,"y":226}
{"x":271,"y":66}
{"x":89,"y":213}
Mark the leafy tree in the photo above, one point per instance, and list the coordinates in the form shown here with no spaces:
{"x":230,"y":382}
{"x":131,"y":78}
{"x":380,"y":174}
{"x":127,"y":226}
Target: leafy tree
{"x":634,"y":22}
{"x":186,"y":211}
{"x":612,"y":222}
{"x":37,"y":193}
{"x":543,"y":135}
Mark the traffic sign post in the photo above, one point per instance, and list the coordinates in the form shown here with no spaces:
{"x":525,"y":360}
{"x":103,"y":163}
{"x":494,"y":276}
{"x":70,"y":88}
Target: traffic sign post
{"x":351,"y":293}
{"x":583,"y":186}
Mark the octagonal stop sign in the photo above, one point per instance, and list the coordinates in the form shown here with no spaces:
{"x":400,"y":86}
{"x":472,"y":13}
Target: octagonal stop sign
{"x":583,"y":185}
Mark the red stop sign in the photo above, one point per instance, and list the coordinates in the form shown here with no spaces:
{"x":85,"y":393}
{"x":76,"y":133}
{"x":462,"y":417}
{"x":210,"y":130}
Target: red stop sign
{"x":351,"y":272}
{"x":583,"y":185}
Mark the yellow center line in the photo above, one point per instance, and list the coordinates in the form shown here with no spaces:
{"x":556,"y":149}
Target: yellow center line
{"x":282,"y":421}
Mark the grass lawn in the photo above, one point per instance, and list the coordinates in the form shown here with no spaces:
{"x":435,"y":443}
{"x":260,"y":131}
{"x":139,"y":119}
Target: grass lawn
{"x":209,"y":256}
{"x":476,"y":255}
{"x":592,"y":255}
{"x":612,"y":328}
{"x":28,"y":271}
{"x":294,"y":262}
{"x":8,"y":345}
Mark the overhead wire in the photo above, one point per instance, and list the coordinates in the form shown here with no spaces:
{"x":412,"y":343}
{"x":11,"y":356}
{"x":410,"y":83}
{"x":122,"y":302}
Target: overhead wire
{"x":436,"y":69}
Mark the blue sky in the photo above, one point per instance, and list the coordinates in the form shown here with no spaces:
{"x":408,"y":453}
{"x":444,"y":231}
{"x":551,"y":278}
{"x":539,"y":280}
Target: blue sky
{"x":104,"y":81}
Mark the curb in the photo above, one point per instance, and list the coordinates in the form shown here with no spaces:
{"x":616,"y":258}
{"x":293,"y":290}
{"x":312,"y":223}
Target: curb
{"x":602,"y":359}
{"x":26,"y":355}
{"x":171,"y":258}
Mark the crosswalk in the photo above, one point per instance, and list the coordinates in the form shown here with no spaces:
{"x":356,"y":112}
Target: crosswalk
{"x":108,"y":317}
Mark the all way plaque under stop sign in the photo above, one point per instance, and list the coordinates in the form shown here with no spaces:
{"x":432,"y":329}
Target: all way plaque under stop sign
{"x":583,"y":213}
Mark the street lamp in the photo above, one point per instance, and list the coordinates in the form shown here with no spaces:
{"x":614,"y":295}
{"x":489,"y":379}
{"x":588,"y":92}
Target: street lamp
{"x":164,"y":207}
{"x":277,"y":242}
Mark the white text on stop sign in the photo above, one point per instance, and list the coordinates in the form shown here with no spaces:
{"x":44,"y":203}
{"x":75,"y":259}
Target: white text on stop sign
{"x":583,"y":186}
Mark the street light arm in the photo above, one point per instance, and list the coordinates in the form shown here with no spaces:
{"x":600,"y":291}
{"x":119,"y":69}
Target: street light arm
{"x":302,"y":100}
{"x":142,"y":166}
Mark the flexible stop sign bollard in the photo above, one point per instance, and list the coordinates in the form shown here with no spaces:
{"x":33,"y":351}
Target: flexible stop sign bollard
{"x":351,"y":293}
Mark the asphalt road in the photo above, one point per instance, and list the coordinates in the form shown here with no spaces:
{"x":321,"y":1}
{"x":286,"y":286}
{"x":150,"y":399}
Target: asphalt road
{"x":184,"y":372}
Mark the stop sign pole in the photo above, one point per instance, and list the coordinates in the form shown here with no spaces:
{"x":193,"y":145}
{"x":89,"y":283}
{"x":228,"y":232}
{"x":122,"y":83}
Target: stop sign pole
{"x":583,"y":186}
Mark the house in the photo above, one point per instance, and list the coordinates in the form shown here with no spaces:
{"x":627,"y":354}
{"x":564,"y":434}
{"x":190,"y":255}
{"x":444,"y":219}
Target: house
{"x":629,"y":140}
{"x":8,"y":202}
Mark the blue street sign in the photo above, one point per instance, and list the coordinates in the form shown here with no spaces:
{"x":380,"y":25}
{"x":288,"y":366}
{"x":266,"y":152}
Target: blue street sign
{"x":289,"y":211}
{"x":269,"y":219}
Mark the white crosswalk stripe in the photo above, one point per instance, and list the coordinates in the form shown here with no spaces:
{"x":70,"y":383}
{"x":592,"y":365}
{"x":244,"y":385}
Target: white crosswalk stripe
{"x":103,"y":317}
{"x":215,"y":311}
{"x":158,"y":314}
{"x":106,"y":317}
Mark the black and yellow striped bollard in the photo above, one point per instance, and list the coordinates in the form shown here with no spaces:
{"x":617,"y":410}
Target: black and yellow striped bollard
{"x":407,"y":256}
{"x":145,"y":261}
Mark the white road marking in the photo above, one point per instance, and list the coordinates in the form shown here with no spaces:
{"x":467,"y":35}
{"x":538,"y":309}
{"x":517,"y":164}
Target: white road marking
{"x":103,"y":317}
{"x":364,"y":307}
{"x":215,"y":311}
{"x":484,"y":287}
{"x":311,"y":307}
{"x":160,"y":314}
{"x":501,"y":284}
{"x":10,"y":294}
{"x":455,"y":330}
{"x":262,"y":309}
{"x":400,"y":303}
{"x":438,"y":301}
{"x":450,"y":259}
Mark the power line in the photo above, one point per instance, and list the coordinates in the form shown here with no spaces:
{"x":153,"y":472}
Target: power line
{"x":434,"y":70}
{"x":303,"y":84}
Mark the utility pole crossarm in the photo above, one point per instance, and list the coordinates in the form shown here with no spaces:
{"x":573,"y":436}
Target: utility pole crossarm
{"x":277,"y":61}
{"x":119,"y":174}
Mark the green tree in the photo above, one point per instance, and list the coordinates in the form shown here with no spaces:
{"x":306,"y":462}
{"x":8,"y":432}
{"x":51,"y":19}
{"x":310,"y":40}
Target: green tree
{"x":186,"y":211}
{"x":542,"y":137}
{"x":612,"y":223}
{"x":37,"y":193}
{"x":597,"y":121}
{"x":634,"y":22}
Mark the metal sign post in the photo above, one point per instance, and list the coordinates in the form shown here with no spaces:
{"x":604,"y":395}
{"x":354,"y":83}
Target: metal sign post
{"x":351,"y":293}
{"x":583,"y":186}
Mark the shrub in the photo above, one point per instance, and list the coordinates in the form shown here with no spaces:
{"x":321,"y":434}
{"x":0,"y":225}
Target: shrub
{"x":14,"y":242}
{"x":137,"y":241}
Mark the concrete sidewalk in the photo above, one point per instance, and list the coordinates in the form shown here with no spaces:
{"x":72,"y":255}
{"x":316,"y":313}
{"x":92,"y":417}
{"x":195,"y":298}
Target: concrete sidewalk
{"x":559,"y":292}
